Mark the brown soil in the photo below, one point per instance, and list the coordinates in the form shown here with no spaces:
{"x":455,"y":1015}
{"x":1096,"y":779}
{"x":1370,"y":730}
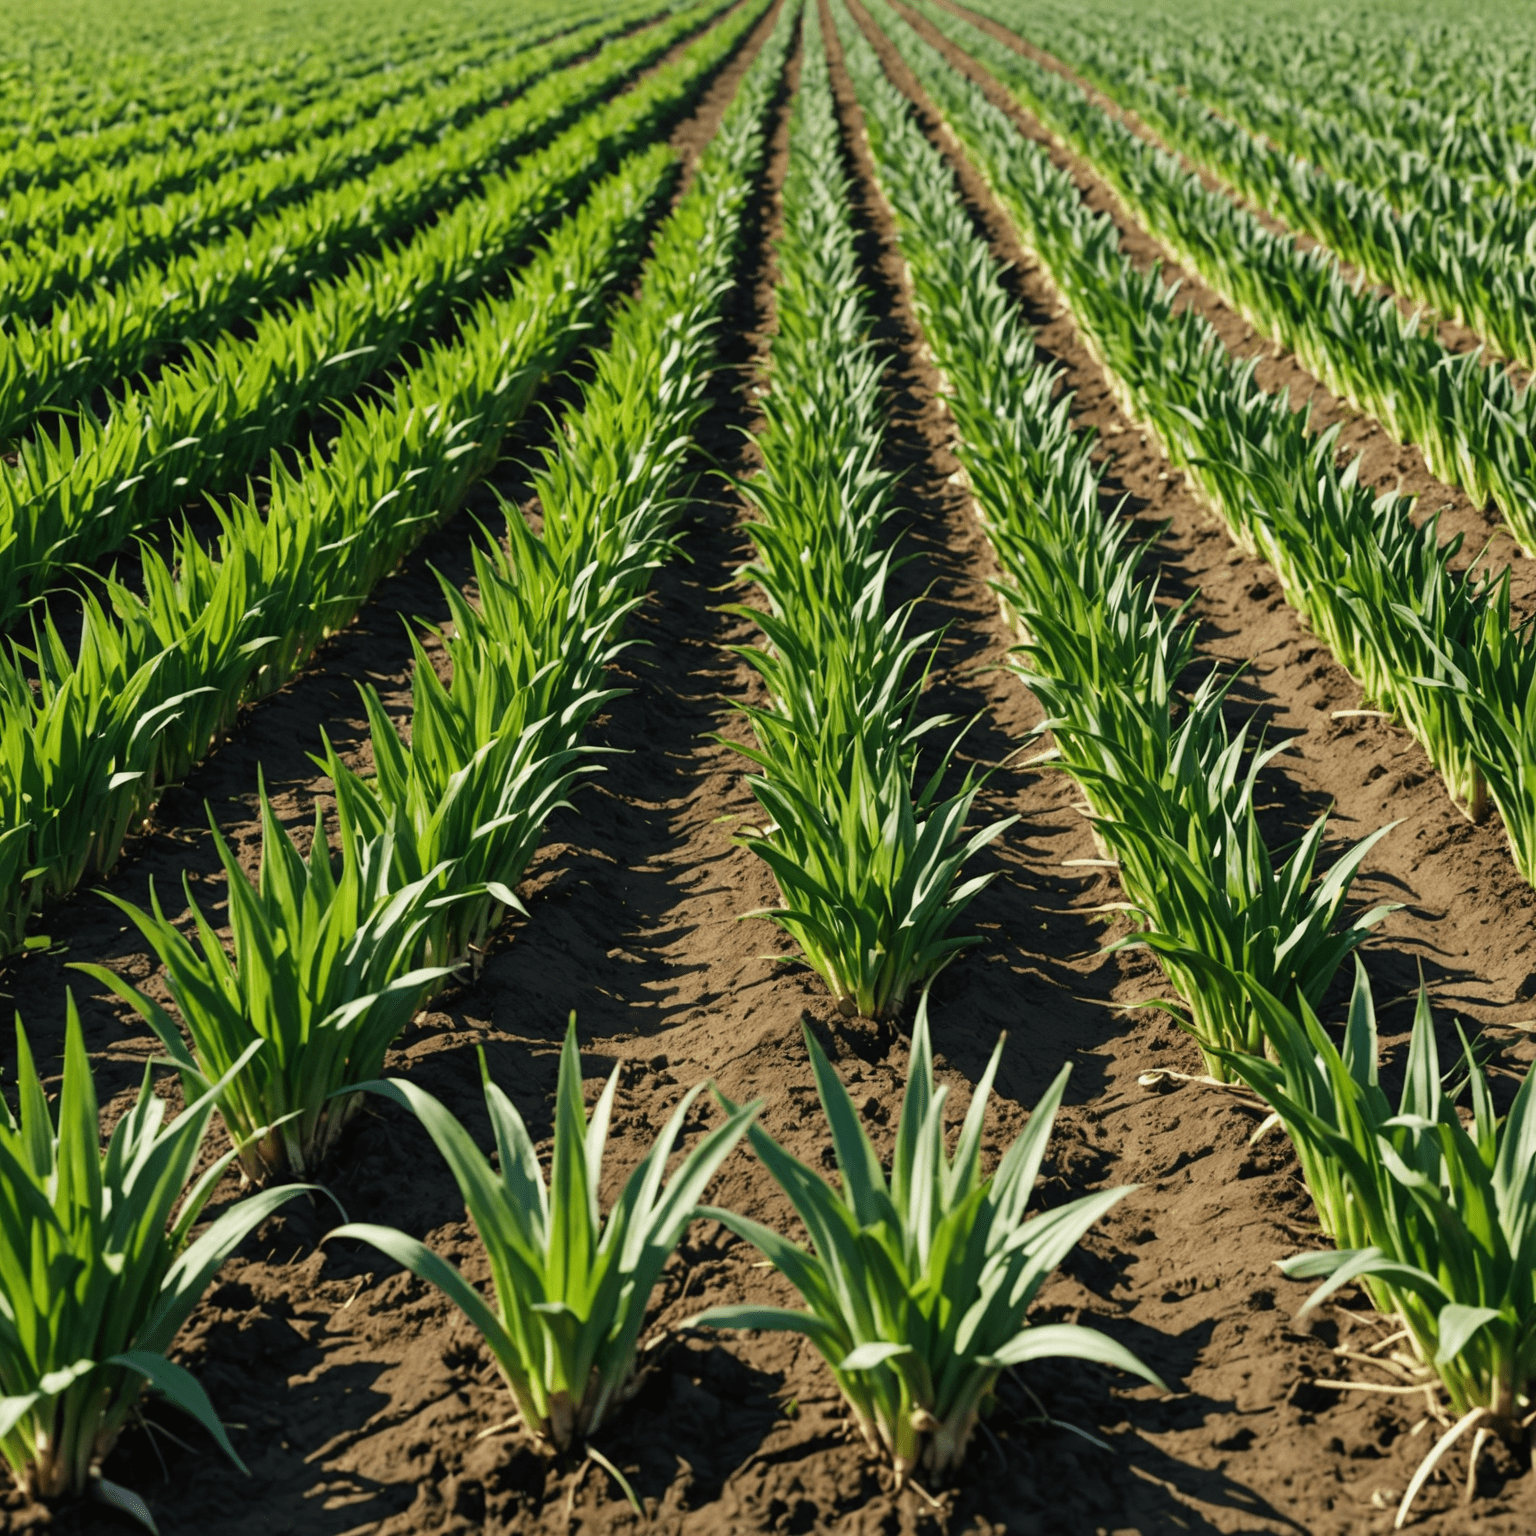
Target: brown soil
{"x":359,"y":1397}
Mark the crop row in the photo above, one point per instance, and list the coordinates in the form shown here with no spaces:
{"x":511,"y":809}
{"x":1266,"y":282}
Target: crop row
{"x":1436,"y":650}
{"x":1371,"y":173}
{"x":99,"y":337}
{"x":59,"y":253}
{"x":95,"y":106}
{"x":866,"y":855}
{"x":432,"y":842}
{"x":1434,"y":1212}
{"x":326,"y":968}
{"x":1434,"y":113}
{"x":1468,"y":258}
{"x":161,"y":169}
{"x":1473,"y":423}
{"x":203,"y":426}
{"x":157,"y":678}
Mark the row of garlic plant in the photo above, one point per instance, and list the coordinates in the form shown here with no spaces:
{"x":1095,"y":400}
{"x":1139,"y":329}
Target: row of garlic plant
{"x":298,"y":1011}
{"x":1431,"y":1210}
{"x":1467,"y":256}
{"x":1458,"y":143}
{"x":866,"y":850}
{"x":65,"y":251}
{"x":1475,"y":425}
{"x":157,"y":675}
{"x":916,"y":1283}
{"x":1436,"y":650}
{"x":1169,"y":787}
{"x":101,"y":335}
{"x":918,"y":1280}
{"x":204,"y":425}
{"x":166,"y":159}
{"x":105,"y":97}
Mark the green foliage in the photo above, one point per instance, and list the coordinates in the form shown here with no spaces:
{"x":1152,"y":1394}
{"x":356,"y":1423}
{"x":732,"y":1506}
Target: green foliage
{"x":461,"y":808}
{"x":867,"y":855}
{"x":1474,"y":424}
{"x":1434,"y":1209}
{"x":93,"y":88}
{"x":323,"y":974}
{"x":918,"y":1282}
{"x":156,"y":678}
{"x":212,"y":417}
{"x":1434,"y":204}
{"x":571,"y":1287}
{"x":103,"y":334}
{"x":1170,"y":789}
{"x":114,"y":217}
{"x":1429,"y":646}
{"x":98,"y":1269}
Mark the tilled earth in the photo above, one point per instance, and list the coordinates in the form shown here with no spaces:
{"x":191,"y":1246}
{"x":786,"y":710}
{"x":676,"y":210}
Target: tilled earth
{"x":362,"y":1402}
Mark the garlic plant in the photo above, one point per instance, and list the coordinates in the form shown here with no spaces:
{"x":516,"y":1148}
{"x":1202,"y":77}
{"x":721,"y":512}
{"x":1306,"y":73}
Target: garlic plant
{"x":1431,"y":1208}
{"x":99,"y":1269}
{"x":571,"y":1286}
{"x":322,"y":973}
{"x":918,"y":1281}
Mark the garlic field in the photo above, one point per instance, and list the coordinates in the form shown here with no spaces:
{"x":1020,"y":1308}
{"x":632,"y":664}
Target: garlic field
{"x":767,"y":766}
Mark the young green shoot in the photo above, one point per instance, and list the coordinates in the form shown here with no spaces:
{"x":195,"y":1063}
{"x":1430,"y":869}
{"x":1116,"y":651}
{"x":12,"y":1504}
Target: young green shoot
{"x":98,"y":1269}
{"x":918,"y":1283}
{"x":571,"y":1288}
